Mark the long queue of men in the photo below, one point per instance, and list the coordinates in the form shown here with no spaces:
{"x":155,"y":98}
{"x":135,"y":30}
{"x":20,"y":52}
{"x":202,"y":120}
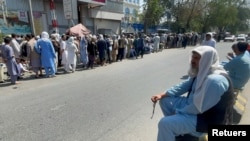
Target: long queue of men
{"x":48,"y":52}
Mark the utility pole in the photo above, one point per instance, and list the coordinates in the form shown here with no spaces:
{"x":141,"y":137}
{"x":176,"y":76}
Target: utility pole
{"x":4,"y":10}
{"x":53,"y":15}
{"x":32,"y":18}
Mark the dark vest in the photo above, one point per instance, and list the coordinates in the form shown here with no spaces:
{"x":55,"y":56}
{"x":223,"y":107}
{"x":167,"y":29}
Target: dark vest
{"x":220,"y":114}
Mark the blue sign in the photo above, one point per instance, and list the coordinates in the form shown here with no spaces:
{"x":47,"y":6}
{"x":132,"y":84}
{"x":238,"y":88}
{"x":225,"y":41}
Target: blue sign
{"x":138,"y":27}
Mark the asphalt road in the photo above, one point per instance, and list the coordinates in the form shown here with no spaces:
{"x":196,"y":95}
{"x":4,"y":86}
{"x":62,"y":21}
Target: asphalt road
{"x":110,"y":103}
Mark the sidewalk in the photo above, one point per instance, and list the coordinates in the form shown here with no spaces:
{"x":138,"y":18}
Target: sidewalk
{"x":245,"y":119}
{"x":31,"y":75}
{"x":28,"y":76}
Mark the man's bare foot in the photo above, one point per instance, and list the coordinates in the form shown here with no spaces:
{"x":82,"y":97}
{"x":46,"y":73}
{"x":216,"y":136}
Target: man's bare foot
{"x":17,"y":82}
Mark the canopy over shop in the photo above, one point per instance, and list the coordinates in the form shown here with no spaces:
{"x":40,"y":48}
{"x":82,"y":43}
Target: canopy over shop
{"x":78,"y":30}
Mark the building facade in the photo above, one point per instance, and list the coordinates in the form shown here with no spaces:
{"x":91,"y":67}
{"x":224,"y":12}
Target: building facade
{"x":99,"y":16}
{"x":130,"y":9}
{"x":102,"y":17}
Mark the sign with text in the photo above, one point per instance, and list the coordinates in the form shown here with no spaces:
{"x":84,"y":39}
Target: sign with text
{"x":67,"y":7}
{"x":102,"y":2}
{"x":70,"y":9}
{"x":237,"y":132}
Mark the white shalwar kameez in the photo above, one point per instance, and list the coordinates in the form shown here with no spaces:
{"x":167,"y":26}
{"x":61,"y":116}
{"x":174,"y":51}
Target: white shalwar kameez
{"x":71,"y":50}
{"x":64,"y":52}
{"x":210,"y":42}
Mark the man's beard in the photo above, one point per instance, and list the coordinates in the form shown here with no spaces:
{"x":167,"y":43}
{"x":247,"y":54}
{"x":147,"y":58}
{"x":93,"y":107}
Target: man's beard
{"x":192,"y":72}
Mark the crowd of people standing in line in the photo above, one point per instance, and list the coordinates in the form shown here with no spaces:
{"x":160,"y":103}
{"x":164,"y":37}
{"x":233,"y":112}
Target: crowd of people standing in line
{"x":48,"y":52}
{"x":208,"y":87}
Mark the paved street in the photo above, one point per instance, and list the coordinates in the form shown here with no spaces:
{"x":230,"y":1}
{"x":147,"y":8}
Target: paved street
{"x":110,"y":103}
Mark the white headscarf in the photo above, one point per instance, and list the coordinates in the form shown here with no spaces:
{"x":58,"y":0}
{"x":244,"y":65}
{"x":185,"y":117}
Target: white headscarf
{"x":45,"y":35}
{"x":209,"y":63}
{"x":70,"y":40}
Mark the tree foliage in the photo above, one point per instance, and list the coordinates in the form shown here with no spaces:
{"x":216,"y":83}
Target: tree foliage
{"x":242,"y":21}
{"x":223,"y":13}
{"x":153,"y":13}
{"x":199,"y":15}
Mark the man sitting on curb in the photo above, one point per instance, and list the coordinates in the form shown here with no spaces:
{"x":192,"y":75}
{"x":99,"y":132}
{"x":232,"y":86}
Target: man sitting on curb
{"x":239,"y":66}
{"x":209,"y":91}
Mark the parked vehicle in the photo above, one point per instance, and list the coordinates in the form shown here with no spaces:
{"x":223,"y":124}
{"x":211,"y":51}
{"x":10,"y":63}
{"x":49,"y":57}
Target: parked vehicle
{"x":163,"y":31}
{"x":230,"y":38}
{"x":248,"y":40}
{"x":241,"y":37}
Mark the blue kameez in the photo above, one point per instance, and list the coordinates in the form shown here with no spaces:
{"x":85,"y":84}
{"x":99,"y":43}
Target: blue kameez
{"x":180,"y":112}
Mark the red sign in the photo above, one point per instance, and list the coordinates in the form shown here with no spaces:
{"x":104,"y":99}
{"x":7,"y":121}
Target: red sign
{"x":100,"y":1}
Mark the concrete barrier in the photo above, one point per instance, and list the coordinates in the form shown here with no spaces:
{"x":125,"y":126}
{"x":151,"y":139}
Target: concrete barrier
{"x":245,"y":105}
{"x":3,"y":69}
{"x":239,"y":106}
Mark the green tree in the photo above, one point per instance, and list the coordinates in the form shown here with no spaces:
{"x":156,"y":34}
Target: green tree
{"x":186,"y":14}
{"x":222,"y":14}
{"x":153,"y":12}
{"x":199,"y":15}
{"x":243,"y":19}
